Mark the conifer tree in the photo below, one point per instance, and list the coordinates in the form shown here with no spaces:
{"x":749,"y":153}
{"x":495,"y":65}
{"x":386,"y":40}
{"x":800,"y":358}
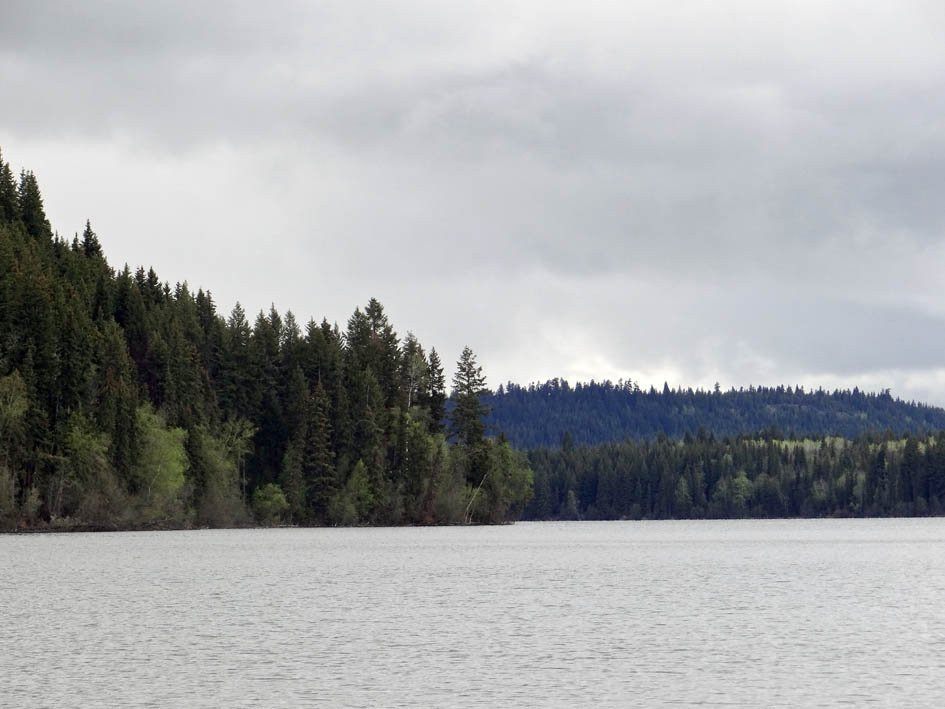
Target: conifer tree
{"x":318,"y":465}
{"x":31,"y":208}
{"x":236,"y":387}
{"x":9,"y":197}
{"x":469,"y":385}
{"x":90,"y":244}
{"x":117,"y":405}
{"x":437,"y":393}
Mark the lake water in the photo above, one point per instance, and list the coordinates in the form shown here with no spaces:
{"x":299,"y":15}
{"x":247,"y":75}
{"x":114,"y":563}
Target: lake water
{"x":743,"y":613}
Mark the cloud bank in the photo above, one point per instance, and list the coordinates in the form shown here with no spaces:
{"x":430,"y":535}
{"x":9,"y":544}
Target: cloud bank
{"x":698,"y":193}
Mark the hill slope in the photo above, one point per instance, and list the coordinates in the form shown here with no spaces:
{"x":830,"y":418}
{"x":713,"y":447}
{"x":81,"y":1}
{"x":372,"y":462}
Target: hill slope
{"x":540,"y":415}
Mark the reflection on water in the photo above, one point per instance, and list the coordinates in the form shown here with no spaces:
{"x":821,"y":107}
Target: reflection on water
{"x":748,"y":613}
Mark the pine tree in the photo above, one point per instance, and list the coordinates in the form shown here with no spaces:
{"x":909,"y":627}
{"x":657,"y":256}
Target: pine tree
{"x":292,"y":477}
{"x":469,"y":385}
{"x":9,"y":197}
{"x":912,"y":474}
{"x":373,"y":344}
{"x":90,"y":244}
{"x":236,"y":391}
{"x":31,"y":208}
{"x":368,"y":418}
{"x":318,"y":465}
{"x":437,"y":393}
{"x":117,"y":404}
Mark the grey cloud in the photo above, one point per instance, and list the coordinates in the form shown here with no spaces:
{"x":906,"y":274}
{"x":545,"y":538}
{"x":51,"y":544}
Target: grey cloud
{"x":838,"y":336}
{"x":773,"y":178}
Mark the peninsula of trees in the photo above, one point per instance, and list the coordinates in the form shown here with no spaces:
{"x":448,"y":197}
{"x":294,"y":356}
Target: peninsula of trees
{"x":128,"y":402}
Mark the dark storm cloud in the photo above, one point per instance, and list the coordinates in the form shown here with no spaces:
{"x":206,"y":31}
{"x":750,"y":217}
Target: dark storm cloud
{"x":756,"y":186}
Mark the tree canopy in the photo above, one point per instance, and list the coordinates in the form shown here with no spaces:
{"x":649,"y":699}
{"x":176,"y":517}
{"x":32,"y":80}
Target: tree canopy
{"x":125,"y":400}
{"x":593,"y":412}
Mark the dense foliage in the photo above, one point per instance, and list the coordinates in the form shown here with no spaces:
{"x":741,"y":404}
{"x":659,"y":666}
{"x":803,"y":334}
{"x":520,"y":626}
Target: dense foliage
{"x":125,"y":402}
{"x":540,"y":415}
{"x":703,"y":476}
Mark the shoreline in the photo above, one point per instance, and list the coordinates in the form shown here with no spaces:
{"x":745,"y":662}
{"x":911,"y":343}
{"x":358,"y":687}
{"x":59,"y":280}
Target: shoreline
{"x":105,"y":528}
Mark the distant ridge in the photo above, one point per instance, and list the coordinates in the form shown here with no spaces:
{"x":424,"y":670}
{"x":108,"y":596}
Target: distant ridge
{"x":541,"y":415}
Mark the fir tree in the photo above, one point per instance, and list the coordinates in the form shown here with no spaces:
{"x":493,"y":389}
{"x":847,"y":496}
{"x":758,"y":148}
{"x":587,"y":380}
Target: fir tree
{"x":90,"y":244}
{"x":9,"y":196}
{"x":469,"y":385}
{"x":318,"y":458}
{"x":437,"y":393}
{"x":31,"y":208}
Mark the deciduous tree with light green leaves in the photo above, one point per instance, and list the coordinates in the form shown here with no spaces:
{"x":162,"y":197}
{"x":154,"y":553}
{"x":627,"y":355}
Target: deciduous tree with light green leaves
{"x":159,"y":475}
{"x":269,"y":504}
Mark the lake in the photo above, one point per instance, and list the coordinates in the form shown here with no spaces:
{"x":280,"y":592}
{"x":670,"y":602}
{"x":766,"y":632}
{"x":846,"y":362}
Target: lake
{"x":733,"y":613}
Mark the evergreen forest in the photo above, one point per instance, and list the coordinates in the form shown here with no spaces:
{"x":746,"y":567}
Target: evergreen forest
{"x":126,"y":402}
{"x":538,"y":415}
{"x":130,"y":403}
{"x":744,"y":476}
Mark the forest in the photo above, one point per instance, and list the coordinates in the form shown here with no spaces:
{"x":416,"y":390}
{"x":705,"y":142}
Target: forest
{"x":129,"y":403}
{"x":744,"y":476}
{"x":539,"y":415}
{"x":126,"y":402}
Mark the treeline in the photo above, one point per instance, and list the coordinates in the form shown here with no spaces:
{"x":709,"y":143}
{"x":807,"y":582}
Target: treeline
{"x":597,"y":412}
{"x":704,"y":476}
{"x":125,"y":401}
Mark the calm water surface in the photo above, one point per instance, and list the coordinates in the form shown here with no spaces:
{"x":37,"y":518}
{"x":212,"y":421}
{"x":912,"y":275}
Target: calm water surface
{"x":748,"y":613}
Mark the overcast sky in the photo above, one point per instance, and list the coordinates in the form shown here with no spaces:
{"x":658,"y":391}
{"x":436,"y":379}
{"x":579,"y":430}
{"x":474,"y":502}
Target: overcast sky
{"x":691,"y":192}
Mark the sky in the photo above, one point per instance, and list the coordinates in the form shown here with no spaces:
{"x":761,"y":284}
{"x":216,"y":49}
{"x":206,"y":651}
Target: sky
{"x":689,"y":192}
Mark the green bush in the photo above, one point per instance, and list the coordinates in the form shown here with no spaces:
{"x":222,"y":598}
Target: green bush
{"x":269,"y":504}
